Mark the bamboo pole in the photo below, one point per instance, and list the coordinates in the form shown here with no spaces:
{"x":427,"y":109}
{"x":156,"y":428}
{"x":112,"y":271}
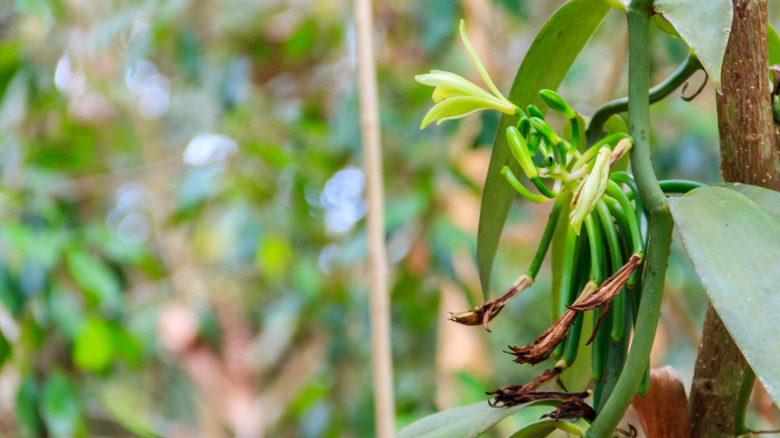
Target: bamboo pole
{"x":381,"y":356}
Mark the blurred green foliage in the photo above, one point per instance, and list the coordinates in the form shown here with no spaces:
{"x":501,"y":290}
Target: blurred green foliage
{"x":181,"y":250}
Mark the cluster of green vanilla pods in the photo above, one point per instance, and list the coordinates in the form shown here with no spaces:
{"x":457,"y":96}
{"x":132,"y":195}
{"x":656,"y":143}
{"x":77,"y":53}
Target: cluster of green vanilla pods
{"x":598,"y":263}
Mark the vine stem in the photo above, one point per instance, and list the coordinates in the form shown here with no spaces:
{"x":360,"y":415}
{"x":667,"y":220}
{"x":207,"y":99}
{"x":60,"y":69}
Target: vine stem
{"x":381,"y":353}
{"x":659,"y":228}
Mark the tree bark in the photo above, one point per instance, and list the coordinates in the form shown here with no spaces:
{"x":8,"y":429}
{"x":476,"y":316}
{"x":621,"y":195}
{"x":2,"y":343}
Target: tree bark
{"x":749,"y":154}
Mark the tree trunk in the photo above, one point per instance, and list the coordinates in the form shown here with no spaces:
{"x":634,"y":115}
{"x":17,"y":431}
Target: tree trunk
{"x":749,"y":154}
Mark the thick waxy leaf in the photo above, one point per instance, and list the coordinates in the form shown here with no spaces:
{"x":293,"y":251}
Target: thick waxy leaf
{"x":542,"y":428}
{"x":544,"y":66}
{"x":465,"y":422}
{"x":735,"y":245}
{"x":768,"y":200}
{"x":773,"y":41}
{"x":704,"y":25}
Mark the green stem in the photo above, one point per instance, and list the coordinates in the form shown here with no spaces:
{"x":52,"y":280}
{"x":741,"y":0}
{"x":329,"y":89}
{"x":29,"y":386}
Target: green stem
{"x":596,"y":127}
{"x":520,"y":188}
{"x":740,"y":421}
{"x":659,"y":228}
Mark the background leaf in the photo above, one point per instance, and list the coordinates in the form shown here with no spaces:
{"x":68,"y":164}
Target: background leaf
{"x":703,"y":25}
{"x":734,"y":245}
{"x":466,"y":421}
{"x":545,"y":64}
{"x":59,"y":406}
{"x":94,"y":277}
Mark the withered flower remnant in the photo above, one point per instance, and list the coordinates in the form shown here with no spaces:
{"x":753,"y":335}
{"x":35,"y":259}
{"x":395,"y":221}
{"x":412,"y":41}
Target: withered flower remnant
{"x":574,"y":407}
{"x":591,"y":297}
{"x":489,"y":310}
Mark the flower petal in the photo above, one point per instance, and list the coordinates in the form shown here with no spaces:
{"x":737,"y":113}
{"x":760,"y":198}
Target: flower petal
{"x":457,"y":107}
{"x":482,"y":71}
{"x":453,"y":83}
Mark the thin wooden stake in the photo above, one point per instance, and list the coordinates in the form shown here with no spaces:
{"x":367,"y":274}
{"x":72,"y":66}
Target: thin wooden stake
{"x":381,"y":356}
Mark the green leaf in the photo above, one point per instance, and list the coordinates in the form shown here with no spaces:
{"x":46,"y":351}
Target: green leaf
{"x":94,"y":277}
{"x":26,"y":407}
{"x":734,"y":245}
{"x":704,"y":26}
{"x":773,"y":42}
{"x":464,"y":422}
{"x":544,"y":427}
{"x":537,"y":429}
{"x":94,"y":348}
{"x":59,"y":406}
{"x":768,"y":200}
{"x":5,"y":349}
{"x":548,"y":59}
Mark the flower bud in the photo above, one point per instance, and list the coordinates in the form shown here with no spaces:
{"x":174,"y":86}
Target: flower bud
{"x":519,"y":149}
{"x":623,"y":146}
{"x":534,"y":111}
{"x":545,"y":130}
{"x":590,"y":190}
{"x":556,"y":102}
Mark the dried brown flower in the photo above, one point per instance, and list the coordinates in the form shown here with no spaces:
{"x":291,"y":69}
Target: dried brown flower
{"x":591,"y":297}
{"x":574,"y":407}
{"x":489,"y":310}
{"x":611,"y":286}
{"x":543,"y":346}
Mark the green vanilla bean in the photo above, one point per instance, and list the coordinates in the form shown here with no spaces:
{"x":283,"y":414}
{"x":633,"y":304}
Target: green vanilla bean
{"x":575,"y":331}
{"x":660,"y":223}
{"x":622,"y":222}
{"x":567,"y":293}
{"x":637,"y":243}
{"x":549,"y":230}
{"x":633,"y":195}
{"x":641,"y":211}
{"x":567,"y":272}
{"x":599,"y":353}
{"x":596,"y":127}
{"x":616,"y":262}
{"x":740,"y":417}
{"x":596,"y":243}
{"x":515,"y":183}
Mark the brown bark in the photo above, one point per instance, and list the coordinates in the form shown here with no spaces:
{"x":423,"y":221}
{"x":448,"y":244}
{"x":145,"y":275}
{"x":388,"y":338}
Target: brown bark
{"x":749,"y":154}
{"x":749,"y":150}
{"x":663,"y":412}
